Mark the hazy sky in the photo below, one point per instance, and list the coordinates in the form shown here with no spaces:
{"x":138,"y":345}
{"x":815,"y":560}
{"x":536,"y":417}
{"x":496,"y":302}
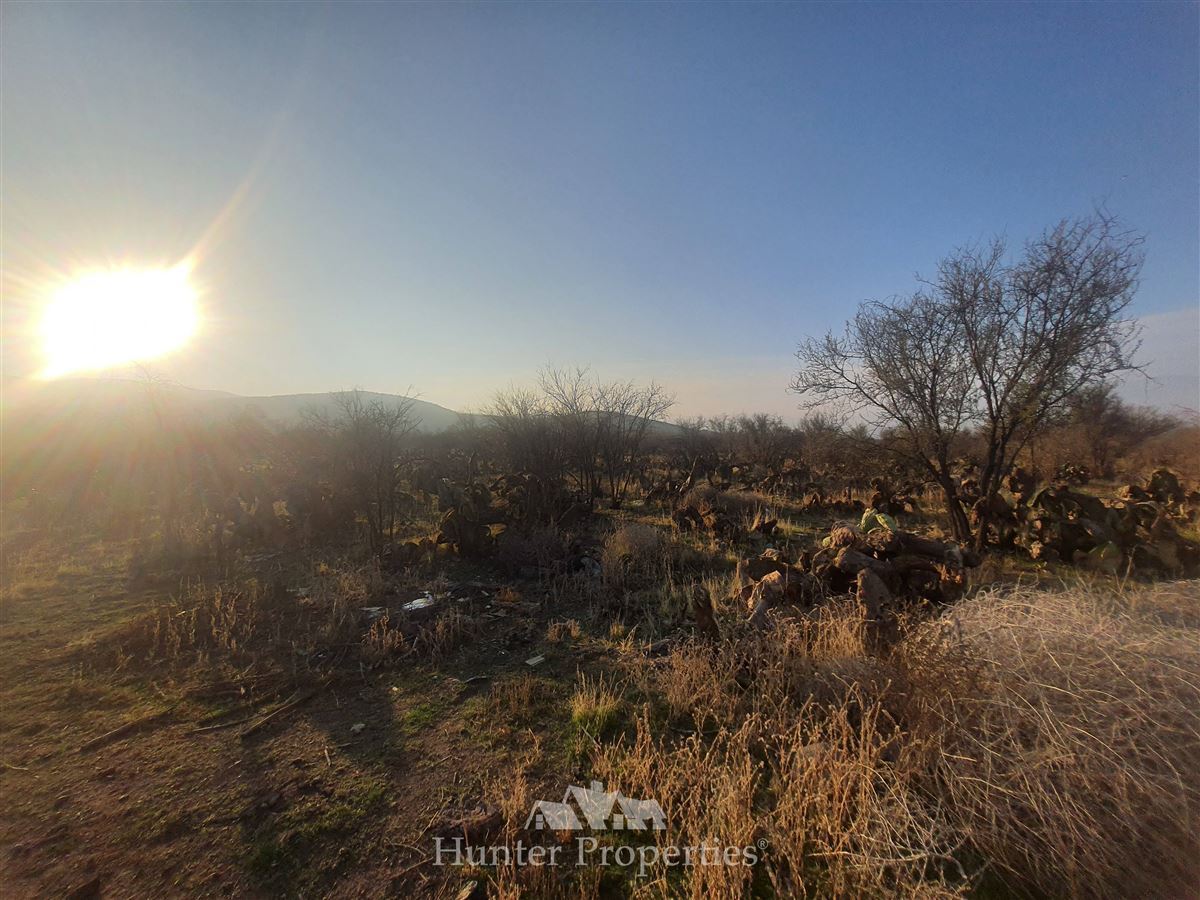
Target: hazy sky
{"x":449,"y":196}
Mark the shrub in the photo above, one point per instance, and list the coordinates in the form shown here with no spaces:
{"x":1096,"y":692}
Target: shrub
{"x":1048,"y":738}
{"x":538,"y":548}
{"x":741,"y":505}
{"x":635,"y":555}
{"x":594,"y":706}
{"x":1072,"y":759}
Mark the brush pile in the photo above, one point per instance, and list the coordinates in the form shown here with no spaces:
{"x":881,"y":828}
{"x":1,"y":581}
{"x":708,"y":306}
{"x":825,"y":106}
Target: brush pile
{"x":888,"y":570}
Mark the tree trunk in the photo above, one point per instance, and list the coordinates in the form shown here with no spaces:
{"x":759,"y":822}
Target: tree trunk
{"x":960,"y":526}
{"x":985,"y":521}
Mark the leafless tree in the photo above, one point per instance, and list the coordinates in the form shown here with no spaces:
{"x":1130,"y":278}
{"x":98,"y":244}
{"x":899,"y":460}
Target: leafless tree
{"x":765,"y":441}
{"x":605,"y":424}
{"x":725,"y":434}
{"x":991,"y":344}
{"x":1099,"y":428}
{"x":530,"y":437}
{"x":368,"y":442}
{"x":693,"y":443}
{"x":628,"y":409}
{"x":576,"y":401}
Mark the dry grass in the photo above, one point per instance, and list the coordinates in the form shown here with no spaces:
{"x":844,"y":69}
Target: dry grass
{"x":244,"y":622}
{"x":1050,"y":739}
{"x":742,"y":505}
{"x":1072,"y":759}
{"x":595,"y":705}
{"x":635,"y":555}
{"x":225,"y":621}
{"x":565,"y":630}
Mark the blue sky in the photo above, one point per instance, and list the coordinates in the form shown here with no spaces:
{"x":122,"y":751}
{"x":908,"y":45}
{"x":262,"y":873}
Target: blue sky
{"x":449,"y":196}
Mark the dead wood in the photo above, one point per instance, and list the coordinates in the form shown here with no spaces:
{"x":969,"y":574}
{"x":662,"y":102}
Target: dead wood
{"x":873,"y":595}
{"x":290,"y":704}
{"x":702,"y":610}
{"x":127,"y":728}
{"x":853,"y":561}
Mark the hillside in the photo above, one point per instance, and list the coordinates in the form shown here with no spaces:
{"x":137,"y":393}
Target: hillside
{"x":68,"y":398}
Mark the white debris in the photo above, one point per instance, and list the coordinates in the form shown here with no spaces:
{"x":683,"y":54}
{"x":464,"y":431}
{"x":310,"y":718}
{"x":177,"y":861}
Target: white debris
{"x":420,"y":603}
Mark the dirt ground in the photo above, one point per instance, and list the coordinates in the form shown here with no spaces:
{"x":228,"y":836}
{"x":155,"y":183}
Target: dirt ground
{"x":311,"y":773}
{"x":310,"y":804}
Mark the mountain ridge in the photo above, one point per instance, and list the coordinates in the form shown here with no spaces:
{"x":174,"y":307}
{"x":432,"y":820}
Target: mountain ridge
{"x":22,"y":394}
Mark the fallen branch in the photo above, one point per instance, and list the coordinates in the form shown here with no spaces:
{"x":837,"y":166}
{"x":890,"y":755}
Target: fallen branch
{"x":290,"y":704}
{"x":221,"y":725}
{"x":127,"y":728}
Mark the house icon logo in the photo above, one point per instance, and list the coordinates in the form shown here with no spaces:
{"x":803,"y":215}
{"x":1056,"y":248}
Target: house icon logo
{"x":597,"y":809}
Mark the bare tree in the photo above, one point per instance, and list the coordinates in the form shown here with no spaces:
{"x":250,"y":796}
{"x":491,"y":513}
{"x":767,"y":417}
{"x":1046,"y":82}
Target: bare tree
{"x":694,"y":444}
{"x":628,"y":409}
{"x":368,"y":440}
{"x":766,"y":441}
{"x":990,"y":344}
{"x":576,"y":400}
{"x":530,"y":437}
{"x":725,"y":433}
{"x":605,"y":425}
{"x":1099,"y":428}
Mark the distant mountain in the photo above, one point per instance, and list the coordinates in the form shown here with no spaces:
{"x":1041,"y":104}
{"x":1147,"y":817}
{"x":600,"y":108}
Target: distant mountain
{"x":289,"y":408}
{"x":70,"y":404}
{"x":69,"y":397}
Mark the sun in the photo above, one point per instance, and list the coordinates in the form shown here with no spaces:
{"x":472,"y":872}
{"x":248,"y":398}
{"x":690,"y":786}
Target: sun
{"x":113,"y":317}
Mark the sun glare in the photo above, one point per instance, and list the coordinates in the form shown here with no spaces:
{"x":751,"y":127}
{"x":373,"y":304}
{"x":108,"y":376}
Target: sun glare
{"x":109,"y":318}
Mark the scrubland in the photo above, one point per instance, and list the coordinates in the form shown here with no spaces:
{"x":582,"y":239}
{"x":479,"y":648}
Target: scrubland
{"x":199,"y":732}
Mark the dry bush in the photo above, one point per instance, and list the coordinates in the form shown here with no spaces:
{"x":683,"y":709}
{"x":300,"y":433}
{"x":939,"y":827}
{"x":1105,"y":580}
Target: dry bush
{"x":339,"y":592}
{"x":540,"y":547}
{"x":563,"y":630}
{"x":1050,"y":738}
{"x":239,"y":622}
{"x":635,"y":555}
{"x":595,"y":705}
{"x":382,"y":643}
{"x":1072,"y":760}
{"x":1178,"y":449}
{"x":740,"y":505}
{"x":446,"y":634}
{"x":820,"y":657}
{"x":789,"y":737}
{"x":1174,"y":603}
{"x":516,"y":695}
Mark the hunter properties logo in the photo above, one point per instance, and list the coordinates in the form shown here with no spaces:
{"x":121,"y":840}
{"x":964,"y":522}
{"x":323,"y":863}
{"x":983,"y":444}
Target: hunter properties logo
{"x":593,"y":809}
{"x":597,"y":808}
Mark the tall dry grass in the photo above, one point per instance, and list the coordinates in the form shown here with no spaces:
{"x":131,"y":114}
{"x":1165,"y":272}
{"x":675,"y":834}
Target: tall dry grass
{"x":1049,"y":741}
{"x":1071,"y":762}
